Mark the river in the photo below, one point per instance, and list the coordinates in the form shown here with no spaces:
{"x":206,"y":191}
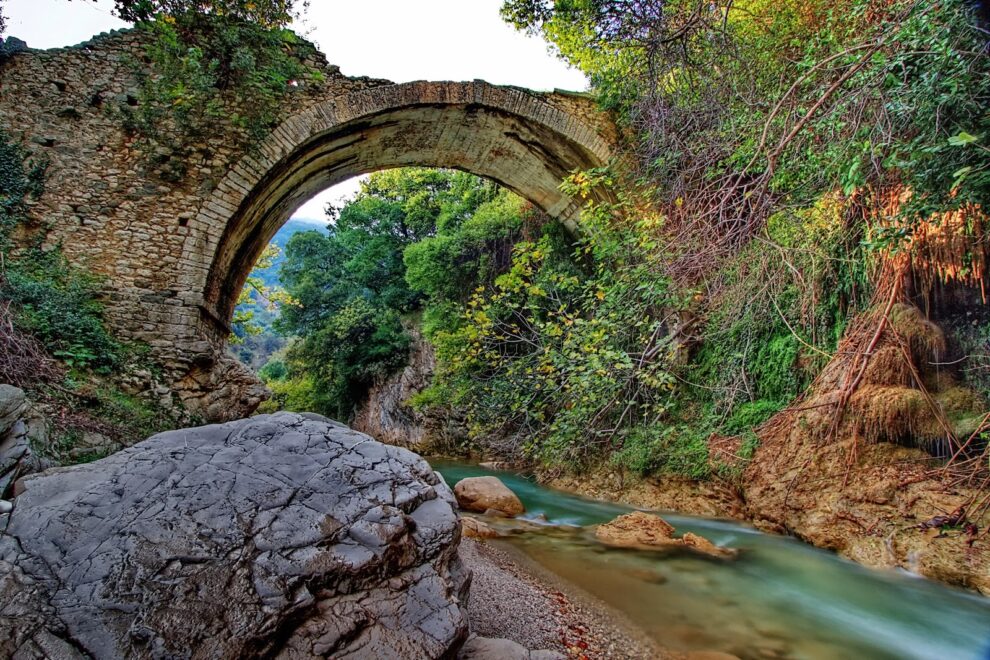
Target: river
{"x":780,"y":598}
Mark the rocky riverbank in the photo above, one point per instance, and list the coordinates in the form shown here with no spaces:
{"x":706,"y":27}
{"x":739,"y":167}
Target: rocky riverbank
{"x":888,"y":510}
{"x":298,"y":537}
{"x":514,"y":598}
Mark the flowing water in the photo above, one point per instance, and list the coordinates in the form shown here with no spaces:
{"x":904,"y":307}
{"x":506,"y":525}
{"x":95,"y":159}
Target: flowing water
{"x":779,"y":599}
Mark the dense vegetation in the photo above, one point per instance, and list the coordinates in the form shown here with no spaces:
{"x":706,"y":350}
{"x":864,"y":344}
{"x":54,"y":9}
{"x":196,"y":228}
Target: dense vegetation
{"x":53,"y":341}
{"x":798,"y":167}
{"x":804,"y":159}
{"x":254,"y":339}
{"x":411,"y":241}
{"x":220,"y":59}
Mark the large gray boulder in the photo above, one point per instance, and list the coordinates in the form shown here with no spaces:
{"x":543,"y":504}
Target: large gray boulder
{"x":279,"y":535}
{"x":12,"y":405}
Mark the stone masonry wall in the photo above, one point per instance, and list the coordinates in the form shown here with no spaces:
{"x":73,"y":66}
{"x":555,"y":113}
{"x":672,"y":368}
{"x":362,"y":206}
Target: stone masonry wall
{"x":157,"y":240}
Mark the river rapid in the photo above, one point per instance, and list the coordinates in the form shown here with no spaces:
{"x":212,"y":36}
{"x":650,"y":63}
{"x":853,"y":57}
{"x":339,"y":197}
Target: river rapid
{"x":780,"y":598}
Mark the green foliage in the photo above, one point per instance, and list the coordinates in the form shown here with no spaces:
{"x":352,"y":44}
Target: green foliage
{"x":746,"y":108}
{"x":59,"y":304}
{"x":362,"y":254}
{"x":330,"y":369}
{"x":774,"y":137}
{"x":350,"y":286}
{"x":91,"y":404}
{"x":268,"y":13}
{"x":563,"y":357}
{"x":256,"y":296}
{"x":274,"y":369}
{"x":293,"y":386}
{"x":810,"y":274}
{"x":751,"y":414}
{"x":50,"y":299}
{"x":20,"y":180}
{"x":298,"y":394}
{"x":447,"y":266}
{"x":677,"y":449}
{"x":214,"y":68}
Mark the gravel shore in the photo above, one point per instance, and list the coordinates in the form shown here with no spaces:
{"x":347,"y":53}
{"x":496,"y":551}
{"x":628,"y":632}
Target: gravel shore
{"x":513,"y":598}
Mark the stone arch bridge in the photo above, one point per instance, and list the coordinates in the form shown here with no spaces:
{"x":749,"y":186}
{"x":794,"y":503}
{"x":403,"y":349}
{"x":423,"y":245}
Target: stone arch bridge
{"x":175,"y":253}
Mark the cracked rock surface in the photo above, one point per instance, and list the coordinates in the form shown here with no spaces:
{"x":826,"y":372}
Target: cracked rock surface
{"x":280,"y":536}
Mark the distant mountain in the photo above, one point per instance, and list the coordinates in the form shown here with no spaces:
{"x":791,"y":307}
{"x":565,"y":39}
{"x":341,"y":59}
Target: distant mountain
{"x":256,"y":349}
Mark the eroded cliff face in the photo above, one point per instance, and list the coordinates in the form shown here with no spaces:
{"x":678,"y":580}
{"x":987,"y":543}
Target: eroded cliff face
{"x":387,"y":415}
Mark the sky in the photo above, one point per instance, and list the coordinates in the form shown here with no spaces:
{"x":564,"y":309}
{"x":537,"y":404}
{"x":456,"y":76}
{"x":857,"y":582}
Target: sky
{"x":401,"y":40}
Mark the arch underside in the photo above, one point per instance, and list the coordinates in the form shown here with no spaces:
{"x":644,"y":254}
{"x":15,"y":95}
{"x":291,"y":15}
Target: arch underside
{"x":517,"y":152}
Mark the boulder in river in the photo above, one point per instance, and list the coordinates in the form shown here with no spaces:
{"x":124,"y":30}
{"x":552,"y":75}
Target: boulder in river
{"x":648,"y":531}
{"x":482,"y":494}
{"x":473,"y":528}
{"x":279,"y":535}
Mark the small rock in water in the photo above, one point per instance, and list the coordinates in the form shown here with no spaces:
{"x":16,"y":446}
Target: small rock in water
{"x":480,"y":494}
{"x":473,"y":528}
{"x":6,"y":507}
{"x":636,"y":529}
{"x":701,"y":544}
{"x":647,"y":531}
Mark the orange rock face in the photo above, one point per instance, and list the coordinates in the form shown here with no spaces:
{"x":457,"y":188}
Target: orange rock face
{"x":648,"y":531}
{"x":483,"y":494}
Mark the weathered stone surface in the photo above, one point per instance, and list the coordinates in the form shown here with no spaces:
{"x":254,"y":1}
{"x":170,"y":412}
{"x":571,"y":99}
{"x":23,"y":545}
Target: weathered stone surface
{"x":13,"y":403}
{"x":13,"y":449}
{"x":635,"y":529}
{"x":484,"y":648}
{"x":175,"y":234}
{"x":477,"y":529}
{"x":481,"y":494}
{"x":703,"y":545}
{"x":281,"y":535}
{"x":16,"y":457}
{"x":648,"y":531}
{"x":386,"y":414}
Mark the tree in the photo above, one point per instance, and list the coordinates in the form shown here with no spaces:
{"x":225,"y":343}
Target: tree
{"x":352,"y":285}
{"x":269,"y":14}
{"x":255,"y":294}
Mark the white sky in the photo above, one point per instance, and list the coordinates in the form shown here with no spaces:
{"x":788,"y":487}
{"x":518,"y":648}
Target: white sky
{"x":401,"y":40}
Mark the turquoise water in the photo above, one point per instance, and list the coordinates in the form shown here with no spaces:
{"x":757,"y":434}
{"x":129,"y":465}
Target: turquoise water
{"x":779,"y":599}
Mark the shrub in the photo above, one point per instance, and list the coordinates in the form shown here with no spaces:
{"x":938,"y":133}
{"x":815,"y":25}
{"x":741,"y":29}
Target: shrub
{"x":678,"y":449}
{"x":59,"y":304}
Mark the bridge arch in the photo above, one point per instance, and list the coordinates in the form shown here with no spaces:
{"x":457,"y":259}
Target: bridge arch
{"x":173,"y":234}
{"x":525,"y":141}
